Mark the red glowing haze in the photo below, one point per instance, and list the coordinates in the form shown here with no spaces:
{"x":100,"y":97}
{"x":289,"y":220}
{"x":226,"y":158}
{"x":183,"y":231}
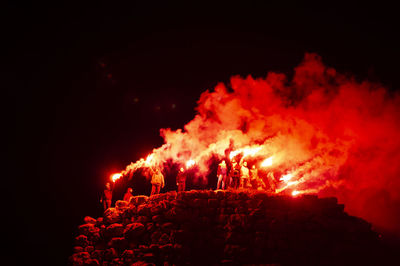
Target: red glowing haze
{"x":324,"y":131}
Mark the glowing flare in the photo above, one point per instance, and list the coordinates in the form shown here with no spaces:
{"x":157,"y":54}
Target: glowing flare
{"x":291,"y":183}
{"x":267,"y":162}
{"x":233,"y":154}
{"x":250,"y":151}
{"x":149,"y":159}
{"x":115,"y":177}
{"x":286,"y":178}
{"x":295,"y":192}
{"x":190,"y":163}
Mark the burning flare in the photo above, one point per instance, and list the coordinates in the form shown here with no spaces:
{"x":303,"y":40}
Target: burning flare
{"x":286,"y":178}
{"x":115,"y":177}
{"x":267,"y":162}
{"x":295,"y":192}
{"x":190,"y":163}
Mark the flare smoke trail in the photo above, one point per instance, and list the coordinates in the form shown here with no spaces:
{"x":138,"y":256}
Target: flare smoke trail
{"x":336,"y":136}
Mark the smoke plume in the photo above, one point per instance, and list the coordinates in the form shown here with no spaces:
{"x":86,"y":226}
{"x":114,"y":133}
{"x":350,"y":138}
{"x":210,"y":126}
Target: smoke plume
{"x":335,"y":135}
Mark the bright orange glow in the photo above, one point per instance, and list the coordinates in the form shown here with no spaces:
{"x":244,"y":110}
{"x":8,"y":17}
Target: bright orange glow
{"x":286,"y":178}
{"x":233,"y":154}
{"x":267,"y":162}
{"x":115,"y":177}
{"x":248,"y":151}
{"x":190,"y":163}
{"x":149,"y":159}
{"x":295,"y":192}
{"x":288,"y":127}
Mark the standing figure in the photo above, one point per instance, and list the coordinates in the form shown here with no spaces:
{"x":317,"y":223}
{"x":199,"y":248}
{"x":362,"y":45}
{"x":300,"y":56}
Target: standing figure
{"x":222,"y":175}
{"x":244,"y":176}
{"x":181,"y":180}
{"x":254,"y":177}
{"x":128,"y":195}
{"x":106,"y":197}
{"x":157,"y":181}
{"x":235,"y":175}
{"x":271,"y":181}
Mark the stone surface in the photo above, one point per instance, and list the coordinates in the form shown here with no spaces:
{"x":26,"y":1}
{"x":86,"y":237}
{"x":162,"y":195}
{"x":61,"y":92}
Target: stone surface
{"x":225,"y":227}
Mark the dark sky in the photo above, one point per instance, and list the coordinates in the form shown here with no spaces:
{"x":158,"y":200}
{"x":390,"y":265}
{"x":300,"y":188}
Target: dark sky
{"x":90,"y":85}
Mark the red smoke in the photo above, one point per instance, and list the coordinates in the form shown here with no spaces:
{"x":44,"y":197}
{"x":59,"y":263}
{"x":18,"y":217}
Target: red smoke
{"x":337,"y":136}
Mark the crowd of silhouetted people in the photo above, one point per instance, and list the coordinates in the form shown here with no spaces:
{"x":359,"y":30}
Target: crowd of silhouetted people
{"x":237,"y":176}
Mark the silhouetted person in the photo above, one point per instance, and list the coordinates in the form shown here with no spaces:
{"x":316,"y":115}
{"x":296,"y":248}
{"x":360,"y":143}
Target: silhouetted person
{"x":271,"y":181}
{"x":254,"y":177}
{"x":235,"y":175}
{"x":128,"y":195}
{"x":106,"y":197}
{"x":181,"y":180}
{"x":157,"y":182}
{"x":222,"y":175}
{"x":244,"y":176}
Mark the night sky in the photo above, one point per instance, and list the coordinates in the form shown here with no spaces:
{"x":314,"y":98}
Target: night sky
{"x":90,"y":85}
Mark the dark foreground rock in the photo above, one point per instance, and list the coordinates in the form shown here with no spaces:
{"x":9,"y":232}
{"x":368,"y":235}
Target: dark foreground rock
{"x":226,"y":227}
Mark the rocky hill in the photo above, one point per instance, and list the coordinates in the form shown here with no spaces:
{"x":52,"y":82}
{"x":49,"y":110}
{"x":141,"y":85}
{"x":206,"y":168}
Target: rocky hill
{"x":226,"y":227}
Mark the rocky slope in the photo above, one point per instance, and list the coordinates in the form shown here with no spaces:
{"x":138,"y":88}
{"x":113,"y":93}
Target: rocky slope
{"x":225,"y":227}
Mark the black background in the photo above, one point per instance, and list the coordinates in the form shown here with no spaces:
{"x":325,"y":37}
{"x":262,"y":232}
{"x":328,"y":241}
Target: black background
{"x":89,"y":85}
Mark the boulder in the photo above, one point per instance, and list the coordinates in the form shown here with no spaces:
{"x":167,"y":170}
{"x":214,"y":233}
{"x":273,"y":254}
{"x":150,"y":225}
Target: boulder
{"x":118,"y":243}
{"x":85,"y":229}
{"x":81,"y":241}
{"x":111,"y":215}
{"x":138,"y":200}
{"x":115,"y":230}
{"x":121,"y":205}
{"x":89,"y":220}
{"x":133,"y":230}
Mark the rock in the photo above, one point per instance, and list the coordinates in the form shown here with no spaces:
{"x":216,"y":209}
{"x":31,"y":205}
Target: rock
{"x":144,"y":210}
{"x":164,"y":239}
{"x":212,"y":203}
{"x":142,"y":263}
{"x":167,"y":227}
{"x":231,"y":227}
{"x":111,"y":215}
{"x":98,"y":255}
{"x":90,"y":220}
{"x":143,"y":219}
{"x":81,"y":241}
{"x":85,"y":229}
{"x":118,"y":243}
{"x":89,"y":249}
{"x":133,"y":230}
{"x":99,"y":221}
{"x":110,"y":254}
{"x":121,"y":205}
{"x":148,"y":257}
{"x":83,"y":258}
{"x":138,"y":200}
{"x":171,"y":195}
{"x":157,"y":218}
{"x":115,"y":230}
{"x":128,"y":257}
{"x":78,"y":249}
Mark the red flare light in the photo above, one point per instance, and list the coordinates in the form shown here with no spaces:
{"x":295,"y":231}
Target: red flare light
{"x":286,"y":178}
{"x":267,"y":162}
{"x":190,"y":163}
{"x":115,"y":177}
